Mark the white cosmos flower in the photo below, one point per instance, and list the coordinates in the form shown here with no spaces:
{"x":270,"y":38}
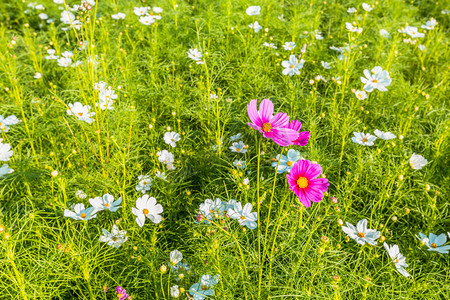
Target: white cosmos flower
{"x":413,"y":32}
{"x":43,"y":16}
{"x":363,"y":139}
{"x":80,"y":213}
{"x":353,"y":28}
{"x":361,"y":234}
{"x":171,"y":138}
{"x":417,"y":161}
{"x":366,"y":7}
{"x":146,"y":207}
{"x":244,"y":215}
{"x":81,"y":112}
{"x":255,"y":26}
{"x":421,"y":47}
{"x":140,"y":11}
{"x":195,"y":54}
{"x":384,"y":33}
{"x":238,"y":147}
{"x":384,"y":135}
{"x":289,"y":46}
{"x":147,"y":20}
{"x":118,"y":16}
{"x":361,"y":95}
{"x":80,"y":194}
{"x":51,"y":55}
{"x":144,"y":184}
{"x":67,"y":54}
{"x":397,"y":258}
{"x":292,"y":66}
{"x":351,"y":10}
{"x":114,"y":238}
{"x":376,"y":79}
{"x":161,"y":175}
{"x":253,"y":10}
{"x":166,"y":157}
{"x":5,"y":152}
{"x":429,"y":25}
{"x":64,"y":62}
{"x":8,"y":121}
{"x":37,"y":75}
{"x":175,"y":257}
{"x":270,"y":45}
{"x":157,"y":10}
{"x":5,"y":169}
{"x":105,"y":203}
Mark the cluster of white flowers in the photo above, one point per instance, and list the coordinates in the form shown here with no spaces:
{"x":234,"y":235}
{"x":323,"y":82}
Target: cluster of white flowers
{"x":216,"y":209}
{"x":106,"y":95}
{"x":167,"y":158}
{"x":147,"y":15}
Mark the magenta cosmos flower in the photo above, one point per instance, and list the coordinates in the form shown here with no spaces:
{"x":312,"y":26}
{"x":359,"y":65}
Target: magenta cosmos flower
{"x":272,"y":127}
{"x":303,"y":136}
{"x":304,"y":182}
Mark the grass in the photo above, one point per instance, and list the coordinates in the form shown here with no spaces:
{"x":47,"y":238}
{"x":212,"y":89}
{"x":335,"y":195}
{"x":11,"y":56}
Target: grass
{"x":46,"y":255}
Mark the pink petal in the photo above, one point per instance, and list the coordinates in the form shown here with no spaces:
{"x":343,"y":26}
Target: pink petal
{"x":300,"y":168}
{"x":296,"y":125}
{"x":265,"y":110}
{"x":279,"y":120}
{"x":304,"y":198}
{"x":319,"y":184}
{"x":282,"y":136}
{"x":313,"y":171}
{"x":253,"y":113}
{"x":256,"y":127}
{"x":313,"y":194}
{"x":303,"y":138}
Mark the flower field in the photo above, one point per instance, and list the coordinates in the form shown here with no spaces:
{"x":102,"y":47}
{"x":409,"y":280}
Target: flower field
{"x":224,"y":149}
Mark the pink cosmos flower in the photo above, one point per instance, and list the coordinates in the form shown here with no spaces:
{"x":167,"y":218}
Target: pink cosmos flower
{"x":272,"y":127}
{"x":304,"y":182}
{"x":303,"y":136}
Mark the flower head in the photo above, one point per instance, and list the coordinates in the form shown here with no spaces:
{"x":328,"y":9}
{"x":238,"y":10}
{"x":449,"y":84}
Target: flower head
{"x":175,"y":257}
{"x":384,"y":135}
{"x":5,"y":169}
{"x":5,"y":152}
{"x":8,"y":121}
{"x":204,"y":287}
{"x":435,"y":242}
{"x":118,"y":16}
{"x":417,"y":161}
{"x":287,"y":161}
{"x":361,"y":95}
{"x":303,"y":136}
{"x":114,"y":238}
{"x":105,"y":203}
{"x":147,"y":20}
{"x":253,"y":10}
{"x":244,"y":215}
{"x":171,"y":138}
{"x":273,"y":127}
{"x":289,"y":46}
{"x":146,"y":207}
{"x":365,"y":139}
{"x":376,"y":79}
{"x":429,"y":25}
{"x":292,"y":66}
{"x":397,"y":258}
{"x":361,"y":234}
{"x":255,"y":26}
{"x":304,"y":182}
{"x":81,"y":213}
{"x":82,"y":112}
{"x":238,"y":147}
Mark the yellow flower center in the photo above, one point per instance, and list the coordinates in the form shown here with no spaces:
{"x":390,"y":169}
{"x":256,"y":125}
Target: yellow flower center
{"x":107,"y":205}
{"x":204,"y":287}
{"x":119,"y":295}
{"x":361,"y":234}
{"x":292,"y":66}
{"x":211,"y":211}
{"x":289,"y":163}
{"x":302,"y":182}
{"x":114,"y":239}
{"x":375,"y":81}
{"x":238,"y":150}
{"x":365,"y":140}
{"x":80,"y":114}
{"x":266,"y":127}
{"x":83,"y":215}
{"x":242,"y":218}
{"x":433,"y":245}
{"x":145,"y":211}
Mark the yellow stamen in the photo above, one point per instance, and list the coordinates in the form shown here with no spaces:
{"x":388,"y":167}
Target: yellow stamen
{"x":267,"y":127}
{"x":302,"y":182}
{"x":361,"y":234}
{"x":433,"y":245}
{"x":289,"y":163}
{"x":83,"y":215}
{"x":145,"y":211}
{"x":364,"y":140}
